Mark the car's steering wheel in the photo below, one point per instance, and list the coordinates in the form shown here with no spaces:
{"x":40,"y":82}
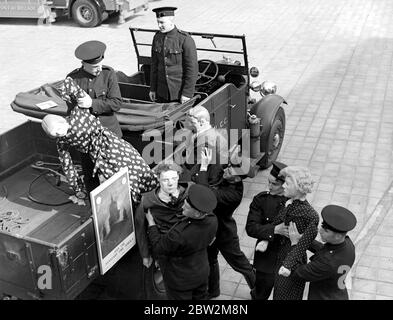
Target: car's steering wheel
{"x":203,"y":75}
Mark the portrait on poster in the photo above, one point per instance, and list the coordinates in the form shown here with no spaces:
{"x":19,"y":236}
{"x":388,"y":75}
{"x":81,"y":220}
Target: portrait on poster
{"x":113,"y":219}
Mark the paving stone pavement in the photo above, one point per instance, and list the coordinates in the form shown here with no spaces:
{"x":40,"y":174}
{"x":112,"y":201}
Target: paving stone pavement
{"x":332,"y":61}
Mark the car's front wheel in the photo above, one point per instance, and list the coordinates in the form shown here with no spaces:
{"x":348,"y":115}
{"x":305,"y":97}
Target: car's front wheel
{"x":86,"y":13}
{"x":272,"y":145}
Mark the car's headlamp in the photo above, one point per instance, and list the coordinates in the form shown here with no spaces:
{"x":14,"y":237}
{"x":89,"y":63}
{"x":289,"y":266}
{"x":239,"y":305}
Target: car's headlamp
{"x":254,"y":72}
{"x":268,"y":87}
{"x":255,"y":86}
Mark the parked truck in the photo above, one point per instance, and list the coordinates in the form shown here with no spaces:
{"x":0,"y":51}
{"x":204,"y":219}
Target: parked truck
{"x":87,"y":13}
{"x":59,"y":237}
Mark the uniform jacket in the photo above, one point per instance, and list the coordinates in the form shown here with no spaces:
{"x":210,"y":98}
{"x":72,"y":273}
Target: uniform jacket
{"x":229,"y":196}
{"x":327,"y":269}
{"x":108,"y":152}
{"x":183,"y":251}
{"x":174,"y":66}
{"x":165,"y":215}
{"x":263,"y":209}
{"x":105,"y":93}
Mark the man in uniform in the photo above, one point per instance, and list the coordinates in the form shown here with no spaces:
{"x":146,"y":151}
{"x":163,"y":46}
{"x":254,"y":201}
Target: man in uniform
{"x":263,"y":208}
{"x":174,"y":65}
{"x":182,"y":250}
{"x":332,"y":261}
{"x":229,"y":192}
{"x":103,"y":97}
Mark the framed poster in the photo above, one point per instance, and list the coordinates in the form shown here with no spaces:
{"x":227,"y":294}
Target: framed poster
{"x":113,"y":219}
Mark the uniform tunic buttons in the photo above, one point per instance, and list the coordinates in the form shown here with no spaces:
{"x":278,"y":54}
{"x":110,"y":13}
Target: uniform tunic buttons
{"x":330,"y":251}
{"x":267,"y":218}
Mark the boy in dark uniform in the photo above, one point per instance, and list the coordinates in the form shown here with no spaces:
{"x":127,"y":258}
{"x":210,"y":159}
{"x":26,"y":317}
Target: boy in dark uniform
{"x":182,"y":251}
{"x":174,"y":65}
{"x":332,"y":261}
{"x":263,"y":208}
{"x":103,"y":97}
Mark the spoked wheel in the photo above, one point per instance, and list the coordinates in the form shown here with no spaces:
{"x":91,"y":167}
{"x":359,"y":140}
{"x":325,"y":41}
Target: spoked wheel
{"x":86,"y":13}
{"x":272,"y":145}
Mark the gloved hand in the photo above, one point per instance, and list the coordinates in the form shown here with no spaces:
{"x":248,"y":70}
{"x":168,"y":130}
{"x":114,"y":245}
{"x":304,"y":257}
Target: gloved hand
{"x":152,"y":96}
{"x":184,"y":99}
{"x":147,"y":262}
{"x":76,"y":200}
{"x":284,"y":272}
{"x":206,"y":158}
{"x":85,"y":102}
{"x":262,"y":246}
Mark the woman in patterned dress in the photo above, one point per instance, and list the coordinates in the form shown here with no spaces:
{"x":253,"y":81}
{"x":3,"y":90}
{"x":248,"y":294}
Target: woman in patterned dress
{"x":109,"y":153}
{"x":298,"y":183}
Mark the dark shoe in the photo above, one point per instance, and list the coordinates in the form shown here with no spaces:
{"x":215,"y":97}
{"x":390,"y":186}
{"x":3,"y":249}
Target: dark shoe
{"x":214,"y":280}
{"x":213,"y":295}
{"x":253,"y":294}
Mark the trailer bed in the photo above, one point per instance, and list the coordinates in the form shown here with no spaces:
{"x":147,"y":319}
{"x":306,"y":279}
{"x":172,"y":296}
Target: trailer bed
{"x":41,"y":218}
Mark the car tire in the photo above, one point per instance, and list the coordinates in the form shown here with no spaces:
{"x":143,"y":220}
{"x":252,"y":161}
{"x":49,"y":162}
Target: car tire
{"x":86,"y":14}
{"x":272,"y":145}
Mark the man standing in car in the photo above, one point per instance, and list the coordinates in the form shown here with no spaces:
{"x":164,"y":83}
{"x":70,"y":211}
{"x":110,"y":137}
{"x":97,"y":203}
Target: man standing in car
{"x":174,"y":65}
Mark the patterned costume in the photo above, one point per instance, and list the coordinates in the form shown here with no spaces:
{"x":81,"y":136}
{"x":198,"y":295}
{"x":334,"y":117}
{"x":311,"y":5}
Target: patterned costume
{"x":306,"y":219}
{"x":108,"y":152}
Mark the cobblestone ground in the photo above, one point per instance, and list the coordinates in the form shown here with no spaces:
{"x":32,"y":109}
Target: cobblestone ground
{"x":332,"y":61}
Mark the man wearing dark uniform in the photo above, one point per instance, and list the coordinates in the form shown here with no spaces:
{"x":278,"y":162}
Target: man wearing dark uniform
{"x":263,"y":209}
{"x":229,"y":193}
{"x":103,"y":97}
{"x":182,"y":250}
{"x":332,"y":261}
{"x":174,"y":65}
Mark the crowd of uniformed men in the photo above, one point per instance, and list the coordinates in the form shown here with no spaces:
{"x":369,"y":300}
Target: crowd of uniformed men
{"x":184,"y":213}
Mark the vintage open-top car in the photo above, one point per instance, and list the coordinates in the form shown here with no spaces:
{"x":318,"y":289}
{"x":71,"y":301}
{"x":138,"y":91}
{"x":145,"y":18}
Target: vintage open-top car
{"x":62,"y":236}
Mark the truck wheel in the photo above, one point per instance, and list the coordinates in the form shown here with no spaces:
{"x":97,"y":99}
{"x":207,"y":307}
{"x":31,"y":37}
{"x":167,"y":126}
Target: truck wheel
{"x":273,"y":143}
{"x":86,"y":13}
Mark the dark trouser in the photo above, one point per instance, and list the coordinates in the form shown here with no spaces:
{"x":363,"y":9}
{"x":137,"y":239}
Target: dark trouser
{"x":198,"y":293}
{"x":264,"y":285}
{"x":163,"y":100}
{"x":87,"y":167}
{"x":231,"y":252}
